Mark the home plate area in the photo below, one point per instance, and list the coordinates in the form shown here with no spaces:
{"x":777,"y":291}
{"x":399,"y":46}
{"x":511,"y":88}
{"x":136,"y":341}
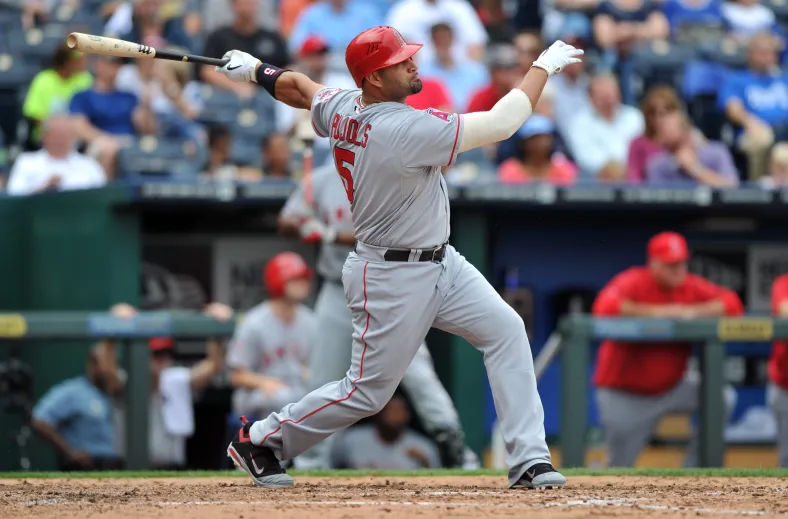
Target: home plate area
{"x":394,"y":497}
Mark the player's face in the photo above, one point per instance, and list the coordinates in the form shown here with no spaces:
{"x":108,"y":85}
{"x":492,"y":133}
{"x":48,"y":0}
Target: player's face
{"x":297,"y":290}
{"x":670,"y":275}
{"x":401,"y":80}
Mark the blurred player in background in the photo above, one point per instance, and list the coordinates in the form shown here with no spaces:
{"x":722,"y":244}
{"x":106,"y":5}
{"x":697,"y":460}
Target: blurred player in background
{"x":640,"y":383}
{"x":777,"y":393}
{"x":319,"y":211}
{"x":269,"y":352}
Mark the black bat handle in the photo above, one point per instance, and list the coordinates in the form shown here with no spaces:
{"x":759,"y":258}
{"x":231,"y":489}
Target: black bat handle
{"x":191,"y":58}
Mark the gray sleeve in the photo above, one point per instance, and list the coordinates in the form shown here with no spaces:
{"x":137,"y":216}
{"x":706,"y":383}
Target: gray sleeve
{"x":296,"y":205}
{"x":428,"y":138}
{"x":322,"y":109}
{"x":246,"y":346}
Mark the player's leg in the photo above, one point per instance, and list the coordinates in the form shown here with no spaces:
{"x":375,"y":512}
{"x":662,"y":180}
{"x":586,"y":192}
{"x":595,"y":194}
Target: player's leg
{"x":778,"y":401}
{"x":685,"y":398}
{"x":330,"y":357}
{"x":435,"y":408}
{"x":628,"y":421}
{"x":392,"y":313}
{"x":473,"y":310}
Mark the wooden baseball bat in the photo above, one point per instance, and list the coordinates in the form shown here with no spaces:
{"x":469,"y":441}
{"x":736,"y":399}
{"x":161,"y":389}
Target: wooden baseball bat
{"x":92,"y":44}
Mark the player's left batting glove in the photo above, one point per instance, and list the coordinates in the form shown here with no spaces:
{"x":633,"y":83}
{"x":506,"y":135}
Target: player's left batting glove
{"x":241,"y":68}
{"x":556,"y":57}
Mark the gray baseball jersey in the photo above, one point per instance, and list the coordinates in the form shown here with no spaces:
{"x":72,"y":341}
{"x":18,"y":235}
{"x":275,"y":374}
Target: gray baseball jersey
{"x":389,"y":157}
{"x":264,"y":344}
{"x":330,"y":205}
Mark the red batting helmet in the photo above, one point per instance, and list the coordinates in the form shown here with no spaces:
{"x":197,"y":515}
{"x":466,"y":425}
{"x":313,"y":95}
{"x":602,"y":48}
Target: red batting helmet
{"x":282,"y":268}
{"x":377,"y":48}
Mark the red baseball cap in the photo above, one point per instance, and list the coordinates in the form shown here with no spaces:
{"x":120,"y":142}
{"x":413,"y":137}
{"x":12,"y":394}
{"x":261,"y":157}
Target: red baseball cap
{"x":160,"y":343}
{"x":668,"y":247}
{"x":313,"y":45}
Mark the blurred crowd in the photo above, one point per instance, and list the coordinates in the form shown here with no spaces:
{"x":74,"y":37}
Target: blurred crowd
{"x":670,"y":92}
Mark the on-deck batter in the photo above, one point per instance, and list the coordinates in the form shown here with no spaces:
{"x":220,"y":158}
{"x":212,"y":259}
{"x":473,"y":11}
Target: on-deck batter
{"x":326,"y":218}
{"x":403,"y":277}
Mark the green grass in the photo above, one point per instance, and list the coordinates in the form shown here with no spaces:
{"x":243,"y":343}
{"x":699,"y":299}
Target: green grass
{"x":716,"y":472}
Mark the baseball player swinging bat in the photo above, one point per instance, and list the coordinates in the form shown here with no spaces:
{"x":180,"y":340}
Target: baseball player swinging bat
{"x":92,"y":44}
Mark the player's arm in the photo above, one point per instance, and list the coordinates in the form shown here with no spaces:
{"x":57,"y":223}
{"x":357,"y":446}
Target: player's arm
{"x":298,"y":218}
{"x":511,"y":111}
{"x":292,"y":88}
{"x":616,"y":299}
{"x":717,"y":300}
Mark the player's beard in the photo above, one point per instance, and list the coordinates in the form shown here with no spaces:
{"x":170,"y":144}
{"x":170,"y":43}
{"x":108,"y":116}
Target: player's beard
{"x":415,"y":86}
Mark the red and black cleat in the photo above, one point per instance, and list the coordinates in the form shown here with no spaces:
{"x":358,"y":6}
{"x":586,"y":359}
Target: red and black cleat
{"x":259,"y":462}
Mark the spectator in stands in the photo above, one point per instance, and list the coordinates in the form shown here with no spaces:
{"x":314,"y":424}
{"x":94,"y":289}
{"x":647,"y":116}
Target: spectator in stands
{"x":620,"y":24}
{"x":106,"y":118}
{"x":57,"y":166}
{"x":146,"y":25}
{"x":462,"y":76}
{"x":778,"y":168}
{"x":171,"y":414}
{"x":639,"y":384}
{"x":38,"y":12}
{"x":777,"y":392}
{"x":528,"y":45}
{"x":434,"y":94}
{"x":215,"y":14}
{"x":747,"y":18}
{"x":157,"y":80}
{"x":563,"y":17}
{"x":415,"y":18}
{"x":244,"y":35}
{"x":289,"y":11}
{"x":52,"y":89}
{"x":312,"y":61}
{"x":756,"y":100}
{"x":537,"y":160}
{"x":336,"y":21}
{"x":571,"y":88}
{"x":599,"y":137}
{"x":385,"y":444}
{"x":3,"y":162}
{"x":76,"y":416}
{"x":695,"y":21}
{"x":276,"y":156}
{"x":658,"y":102}
{"x":220,"y":142}
{"x":504,"y":73}
{"x":687,"y":160}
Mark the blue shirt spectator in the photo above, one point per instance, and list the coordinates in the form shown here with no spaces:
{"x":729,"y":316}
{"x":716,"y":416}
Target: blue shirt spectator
{"x":686,"y":16}
{"x":762,"y":94}
{"x":82,"y":415}
{"x":110,"y":111}
{"x":461,"y":75}
{"x":336,"y":21}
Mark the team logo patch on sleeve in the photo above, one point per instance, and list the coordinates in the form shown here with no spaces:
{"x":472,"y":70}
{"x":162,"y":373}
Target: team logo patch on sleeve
{"x":444,"y":116}
{"x":327,"y":93}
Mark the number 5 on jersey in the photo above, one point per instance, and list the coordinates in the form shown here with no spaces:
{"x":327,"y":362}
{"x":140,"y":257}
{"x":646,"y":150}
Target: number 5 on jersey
{"x":345,"y":159}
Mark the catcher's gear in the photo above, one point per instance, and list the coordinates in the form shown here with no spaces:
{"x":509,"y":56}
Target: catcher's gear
{"x":377,"y":48}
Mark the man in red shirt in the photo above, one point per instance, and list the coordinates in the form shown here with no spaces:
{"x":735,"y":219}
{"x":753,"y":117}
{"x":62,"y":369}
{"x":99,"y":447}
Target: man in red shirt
{"x":504,"y":72}
{"x":639,"y":383}
{"x":778,"y":370}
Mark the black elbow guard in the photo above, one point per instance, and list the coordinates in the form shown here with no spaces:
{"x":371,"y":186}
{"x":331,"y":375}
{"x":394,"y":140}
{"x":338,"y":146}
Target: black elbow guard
{"x":266,"y":76}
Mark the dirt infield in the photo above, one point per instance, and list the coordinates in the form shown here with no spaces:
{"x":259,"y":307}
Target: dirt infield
{"x":393,"y":498}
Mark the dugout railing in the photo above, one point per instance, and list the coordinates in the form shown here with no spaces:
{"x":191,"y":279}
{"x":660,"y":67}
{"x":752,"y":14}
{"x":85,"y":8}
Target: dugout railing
{"x":579,"y":332}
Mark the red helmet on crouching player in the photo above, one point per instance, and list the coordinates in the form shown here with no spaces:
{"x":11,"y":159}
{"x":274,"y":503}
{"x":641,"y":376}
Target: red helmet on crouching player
{"x":287,"y":277}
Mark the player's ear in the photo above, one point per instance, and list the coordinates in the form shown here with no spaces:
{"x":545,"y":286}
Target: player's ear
{"x":376,"y":78}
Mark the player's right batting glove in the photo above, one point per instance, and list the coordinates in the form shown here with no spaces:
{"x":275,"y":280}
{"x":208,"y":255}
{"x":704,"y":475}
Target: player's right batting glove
{"x":557,"y":56}
{"x":241,"y":68}
{"x":312,"y":231}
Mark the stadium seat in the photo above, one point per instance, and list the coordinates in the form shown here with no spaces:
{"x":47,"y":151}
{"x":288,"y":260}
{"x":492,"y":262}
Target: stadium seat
{"x":779,"y":8}
{"x":702,"y":80}
{"x":149,"y":156}
{"x":660,"y":63}
{"x":15,"y":74}
{"x":36,"y":46}
{"x":726,"y":53}
{"x":220,"y":107}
